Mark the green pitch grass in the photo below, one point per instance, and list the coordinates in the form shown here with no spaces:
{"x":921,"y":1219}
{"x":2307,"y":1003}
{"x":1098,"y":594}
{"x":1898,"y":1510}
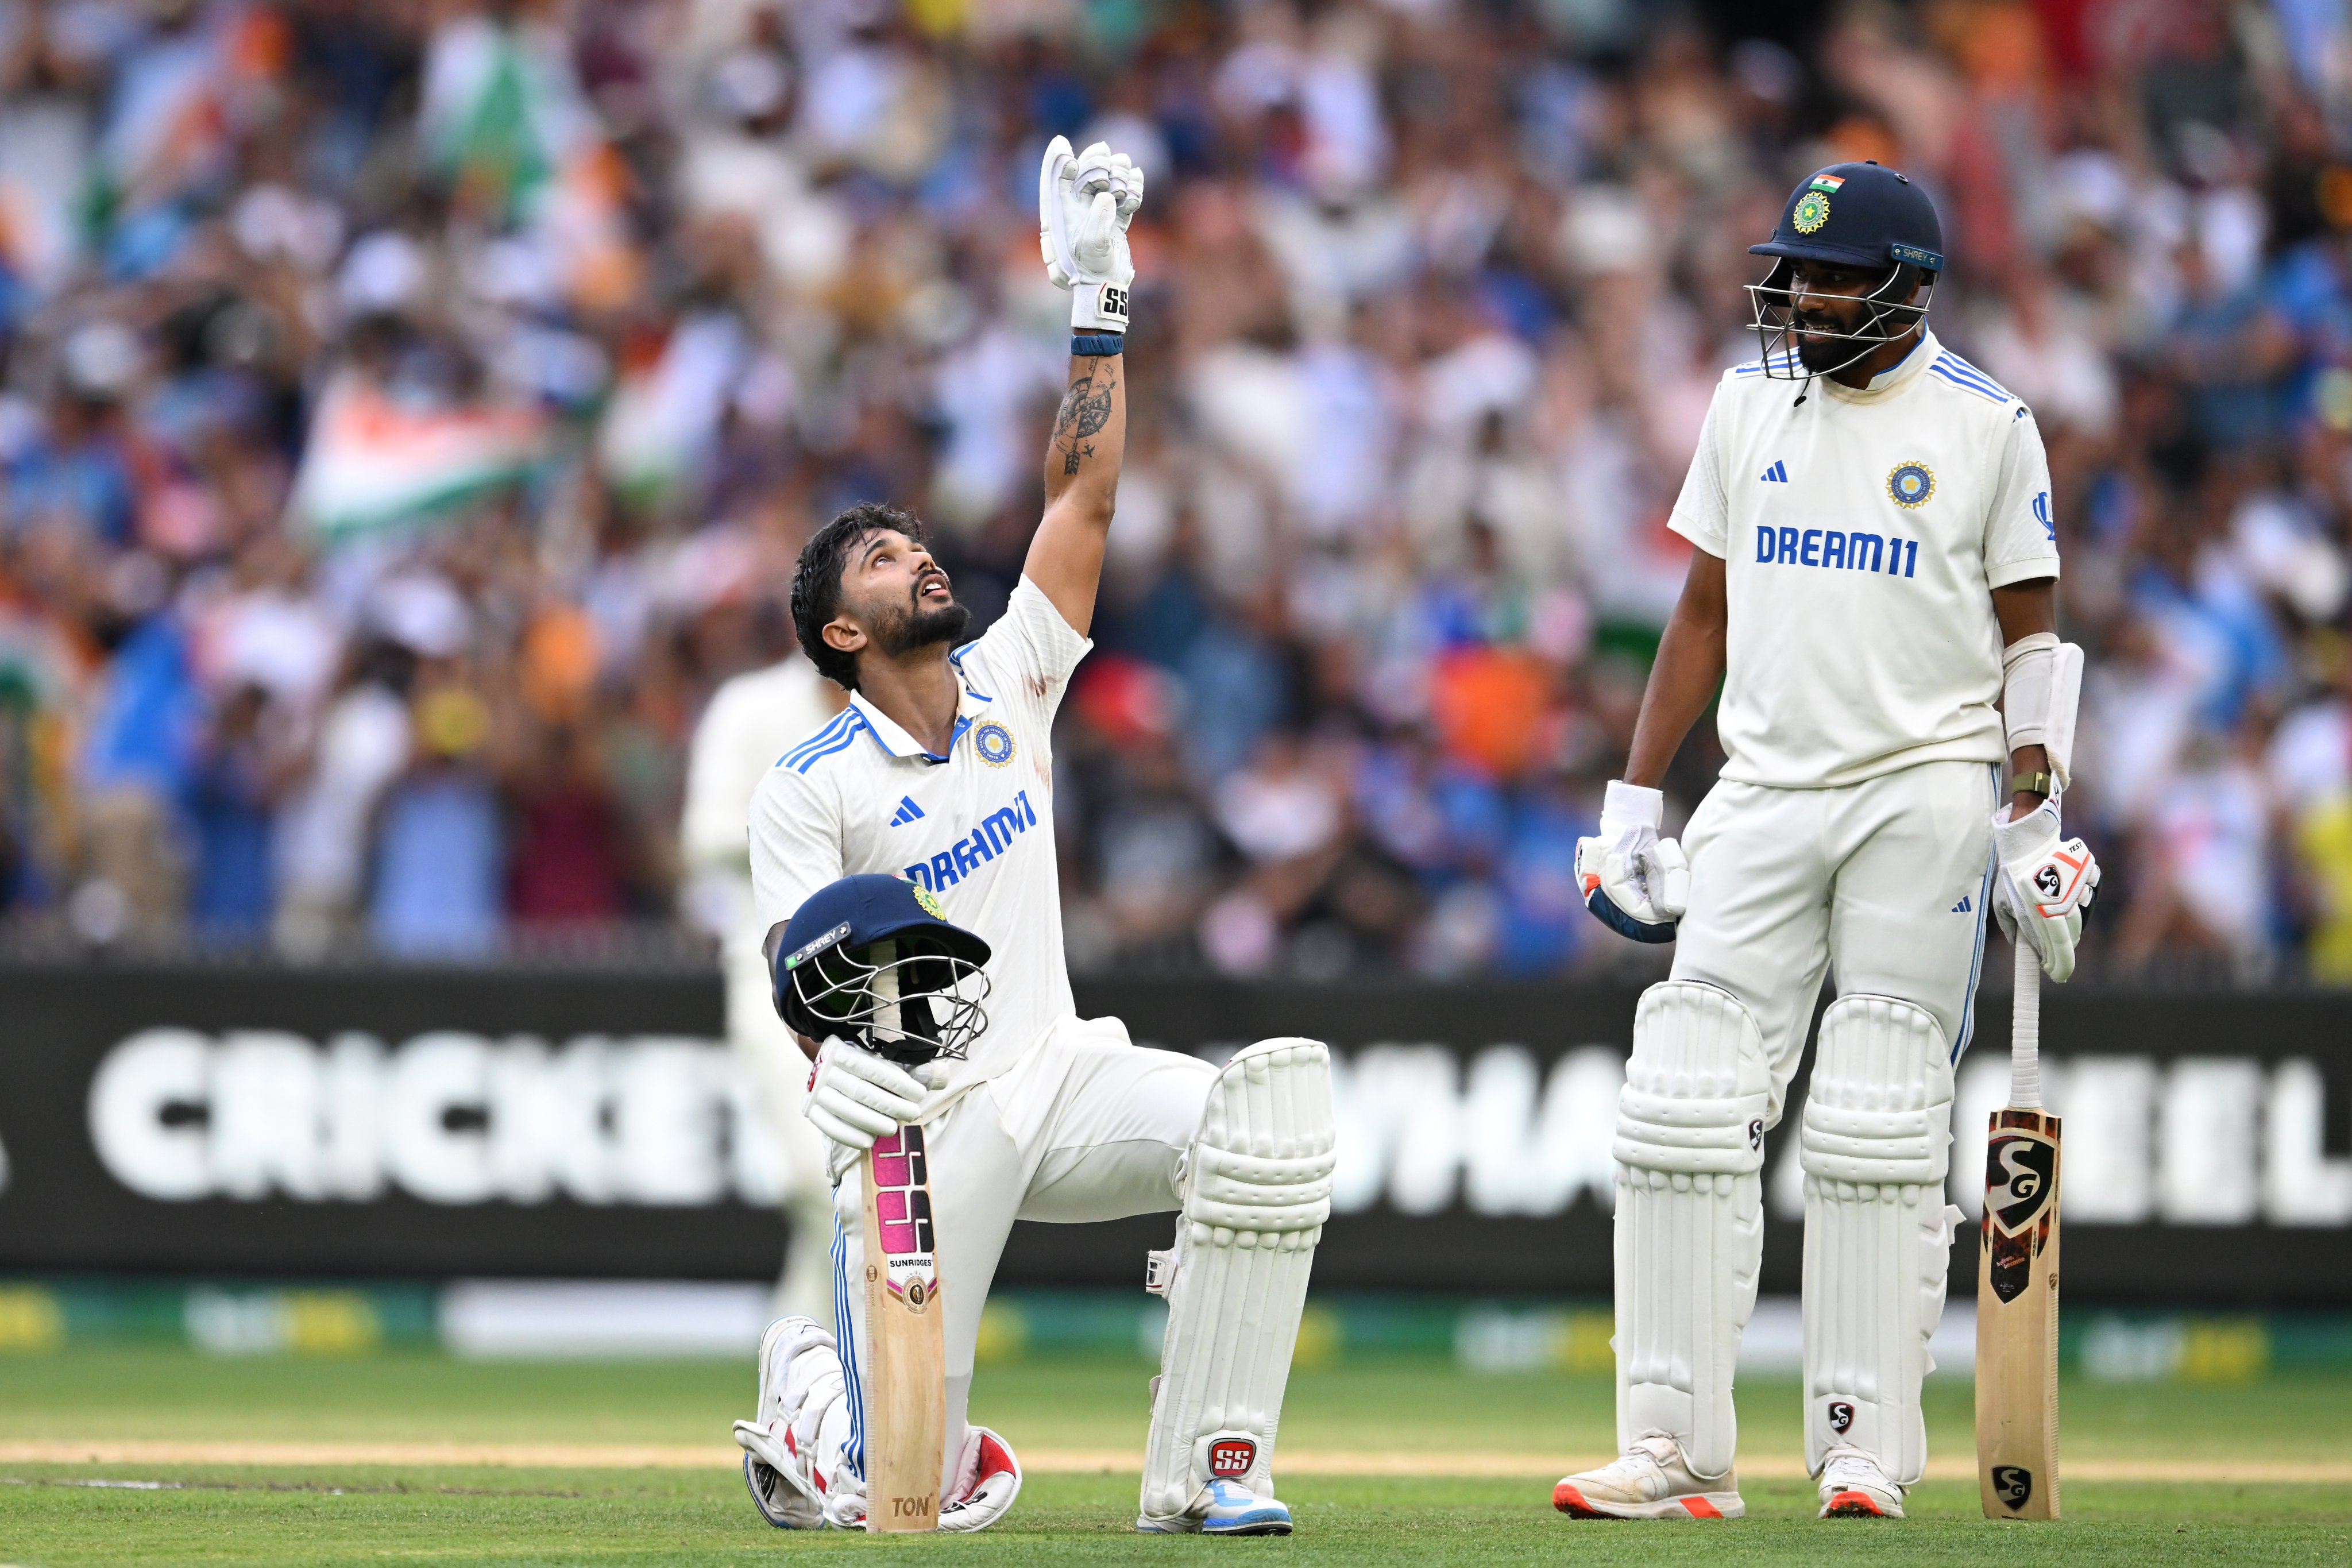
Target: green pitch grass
{"x":229,"y":1514}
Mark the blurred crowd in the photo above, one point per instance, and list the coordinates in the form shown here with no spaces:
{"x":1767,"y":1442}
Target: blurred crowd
{"x":412,"y":409}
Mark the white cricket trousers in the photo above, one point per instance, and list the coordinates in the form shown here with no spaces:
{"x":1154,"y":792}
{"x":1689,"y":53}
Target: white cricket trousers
{"x":1887,"y":880}
{"x":1087,"y":1126}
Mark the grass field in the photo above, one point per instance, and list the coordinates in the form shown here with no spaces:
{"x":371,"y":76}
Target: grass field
{"x":394,"y":1444}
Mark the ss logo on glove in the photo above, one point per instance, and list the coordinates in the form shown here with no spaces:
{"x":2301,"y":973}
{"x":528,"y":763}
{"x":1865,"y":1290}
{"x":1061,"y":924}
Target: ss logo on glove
{"x":1114,"y":302}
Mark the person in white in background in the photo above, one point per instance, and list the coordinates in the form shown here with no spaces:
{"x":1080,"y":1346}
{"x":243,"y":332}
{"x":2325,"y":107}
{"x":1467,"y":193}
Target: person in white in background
{"x":753,"y":719}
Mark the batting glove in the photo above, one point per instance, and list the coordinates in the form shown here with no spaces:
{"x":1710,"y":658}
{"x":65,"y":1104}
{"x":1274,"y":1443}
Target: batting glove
{"x":856,"y":1097}
{"x":2043,"y":887}
{"x":1634,"y":882}
{"x":1085,"y":202}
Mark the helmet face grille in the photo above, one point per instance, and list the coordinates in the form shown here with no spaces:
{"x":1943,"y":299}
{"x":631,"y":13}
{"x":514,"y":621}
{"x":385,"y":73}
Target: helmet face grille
{"x":918,"y":1001}
{"x":1887,"y":316}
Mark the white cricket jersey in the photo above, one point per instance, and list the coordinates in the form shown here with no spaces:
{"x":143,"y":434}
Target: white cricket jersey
{"x":975,"y":827}
{"x":1862,"y":534}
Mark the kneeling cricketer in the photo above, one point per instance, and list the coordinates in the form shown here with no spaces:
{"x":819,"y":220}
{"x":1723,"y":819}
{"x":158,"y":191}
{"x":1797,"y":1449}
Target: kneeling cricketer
{"x":940,"y":774}
{"x":1874,"y":583}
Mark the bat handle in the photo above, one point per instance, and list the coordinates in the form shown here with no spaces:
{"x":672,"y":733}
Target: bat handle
{"x":2025,"y":1032}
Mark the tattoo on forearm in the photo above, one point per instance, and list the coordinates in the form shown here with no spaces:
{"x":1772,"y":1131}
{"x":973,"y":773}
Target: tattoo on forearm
{"x":1086,"y":409}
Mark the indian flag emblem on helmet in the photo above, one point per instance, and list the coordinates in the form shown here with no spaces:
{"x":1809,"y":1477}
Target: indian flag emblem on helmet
{"x":1813,"y":211}
{"x":1827,"y":183}
{"x":929,"y":902}
{"x":1910,"y":485}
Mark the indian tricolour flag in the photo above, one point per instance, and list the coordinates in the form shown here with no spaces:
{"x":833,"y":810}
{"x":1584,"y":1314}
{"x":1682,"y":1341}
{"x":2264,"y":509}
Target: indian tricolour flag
{"x":374,"y":462}
{"x":1828,"y":182}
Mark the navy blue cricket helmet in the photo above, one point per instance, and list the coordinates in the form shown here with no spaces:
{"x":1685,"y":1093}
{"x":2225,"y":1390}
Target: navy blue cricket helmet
{"x":874,"y":960}
{"x":1849,"y":215}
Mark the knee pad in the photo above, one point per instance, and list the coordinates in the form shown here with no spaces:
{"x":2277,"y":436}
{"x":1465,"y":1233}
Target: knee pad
{"x":1876,"y":1145}
{"x":1698,"y":1085}
{"x":1690,"y":1216}
{"x":1257,"y":1188}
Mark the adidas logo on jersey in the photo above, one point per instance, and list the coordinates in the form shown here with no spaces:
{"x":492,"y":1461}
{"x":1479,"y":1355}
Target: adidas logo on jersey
{"x":1777,"y":474}
{"x":907,"y":811}
{"x":1963,"y":907}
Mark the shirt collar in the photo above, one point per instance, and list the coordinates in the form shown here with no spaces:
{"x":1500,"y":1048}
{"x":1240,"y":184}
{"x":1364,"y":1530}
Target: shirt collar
{"x":1895,"y":377}
{"x":971,"y":708}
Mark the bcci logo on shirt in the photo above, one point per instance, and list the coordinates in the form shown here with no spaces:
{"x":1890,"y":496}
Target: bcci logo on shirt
{"x":993,"y":741}
{"x":1910,"y":485}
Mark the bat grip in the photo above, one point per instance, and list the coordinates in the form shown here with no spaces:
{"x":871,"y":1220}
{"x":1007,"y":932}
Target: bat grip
{"x":2025,"y":1032}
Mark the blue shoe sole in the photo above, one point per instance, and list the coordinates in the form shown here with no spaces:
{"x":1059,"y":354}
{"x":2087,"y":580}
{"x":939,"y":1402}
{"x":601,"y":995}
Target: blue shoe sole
{"x":1258,"y":1521}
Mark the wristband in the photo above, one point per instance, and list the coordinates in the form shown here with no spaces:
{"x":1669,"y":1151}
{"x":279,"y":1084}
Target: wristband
{"x":1098,"y":307}
{"x":1096,"y":345}
{"x":2031,"y":783}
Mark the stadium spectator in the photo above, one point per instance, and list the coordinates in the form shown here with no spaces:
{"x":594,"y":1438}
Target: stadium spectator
{"x":367,"y":362}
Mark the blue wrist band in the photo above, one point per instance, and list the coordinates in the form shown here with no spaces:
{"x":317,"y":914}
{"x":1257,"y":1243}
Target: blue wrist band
{"x":1096,"y":345}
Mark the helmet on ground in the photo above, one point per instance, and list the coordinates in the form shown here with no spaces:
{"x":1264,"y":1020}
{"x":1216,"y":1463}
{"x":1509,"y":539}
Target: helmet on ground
{"x":875,"y":960}
{"x":1849,"y":215}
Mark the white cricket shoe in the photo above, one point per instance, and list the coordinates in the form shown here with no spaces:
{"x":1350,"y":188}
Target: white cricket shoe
{"x":1853,"y":1486}
{"x":791,"y":1459}
{"x":1652,"y":1481}
{"x":1232,"y":1509}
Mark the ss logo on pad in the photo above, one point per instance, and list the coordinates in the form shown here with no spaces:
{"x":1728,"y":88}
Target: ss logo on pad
{"x":1232,"y":1457}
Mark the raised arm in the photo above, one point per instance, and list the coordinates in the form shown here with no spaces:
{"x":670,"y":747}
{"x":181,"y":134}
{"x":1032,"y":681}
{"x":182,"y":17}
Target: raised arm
{"x":1066,"y":557}
{"x":1085,"y":202}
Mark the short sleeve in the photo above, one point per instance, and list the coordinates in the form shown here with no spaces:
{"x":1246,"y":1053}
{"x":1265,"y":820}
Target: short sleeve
{"x":1032,"y":650}
{"x":2020,"y":541}
{"x":1702,"y":512}
{"x":795,"y":843}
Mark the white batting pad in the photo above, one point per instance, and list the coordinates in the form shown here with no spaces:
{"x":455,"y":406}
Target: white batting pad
{"x":1877,"y":1144}
{"x":1257,"y":1189}
{"x":1690,"y":1216}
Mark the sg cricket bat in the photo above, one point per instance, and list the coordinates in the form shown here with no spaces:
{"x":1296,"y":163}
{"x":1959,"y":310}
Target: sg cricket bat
{"x":2017,"y":1283}
{"x":906,"y":1386}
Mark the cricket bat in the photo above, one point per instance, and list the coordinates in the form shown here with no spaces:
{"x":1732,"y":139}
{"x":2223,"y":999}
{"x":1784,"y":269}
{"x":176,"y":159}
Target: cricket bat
{"x":2017,"y":1282}
{"x":906,"y":1383}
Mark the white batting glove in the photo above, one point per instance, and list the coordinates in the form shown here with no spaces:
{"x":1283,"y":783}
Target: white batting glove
{"x":1634,"y":882}
{"x":2044,"y":886}
{"x":1085,"y":202}
{"x":856,"y":1097}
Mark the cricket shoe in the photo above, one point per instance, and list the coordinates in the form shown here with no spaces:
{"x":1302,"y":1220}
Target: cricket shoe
{"x":1853,"y":1486}
{"x":1652,"y":1481}
{"x":1232,"y":1509}
{"x":791,"y":1446}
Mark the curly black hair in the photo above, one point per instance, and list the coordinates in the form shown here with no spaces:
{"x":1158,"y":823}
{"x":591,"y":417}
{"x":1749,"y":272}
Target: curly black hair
{"x":816,"y":581}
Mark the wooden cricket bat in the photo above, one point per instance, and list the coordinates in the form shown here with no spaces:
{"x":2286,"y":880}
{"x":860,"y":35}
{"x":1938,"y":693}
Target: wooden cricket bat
{"x":2017,"y":1282}
{"x":906,"y":1385}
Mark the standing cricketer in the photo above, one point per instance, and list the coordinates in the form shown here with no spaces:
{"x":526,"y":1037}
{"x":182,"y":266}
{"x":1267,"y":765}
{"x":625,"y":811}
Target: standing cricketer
{"x":752,"y":720}
{"x":940,"y":771}
{"x":1873,"y":584}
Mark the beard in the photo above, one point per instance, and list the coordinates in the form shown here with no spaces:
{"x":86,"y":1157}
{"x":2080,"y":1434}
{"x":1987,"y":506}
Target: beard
{"x":901,"y":631}
{"x":1829,"y":354}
